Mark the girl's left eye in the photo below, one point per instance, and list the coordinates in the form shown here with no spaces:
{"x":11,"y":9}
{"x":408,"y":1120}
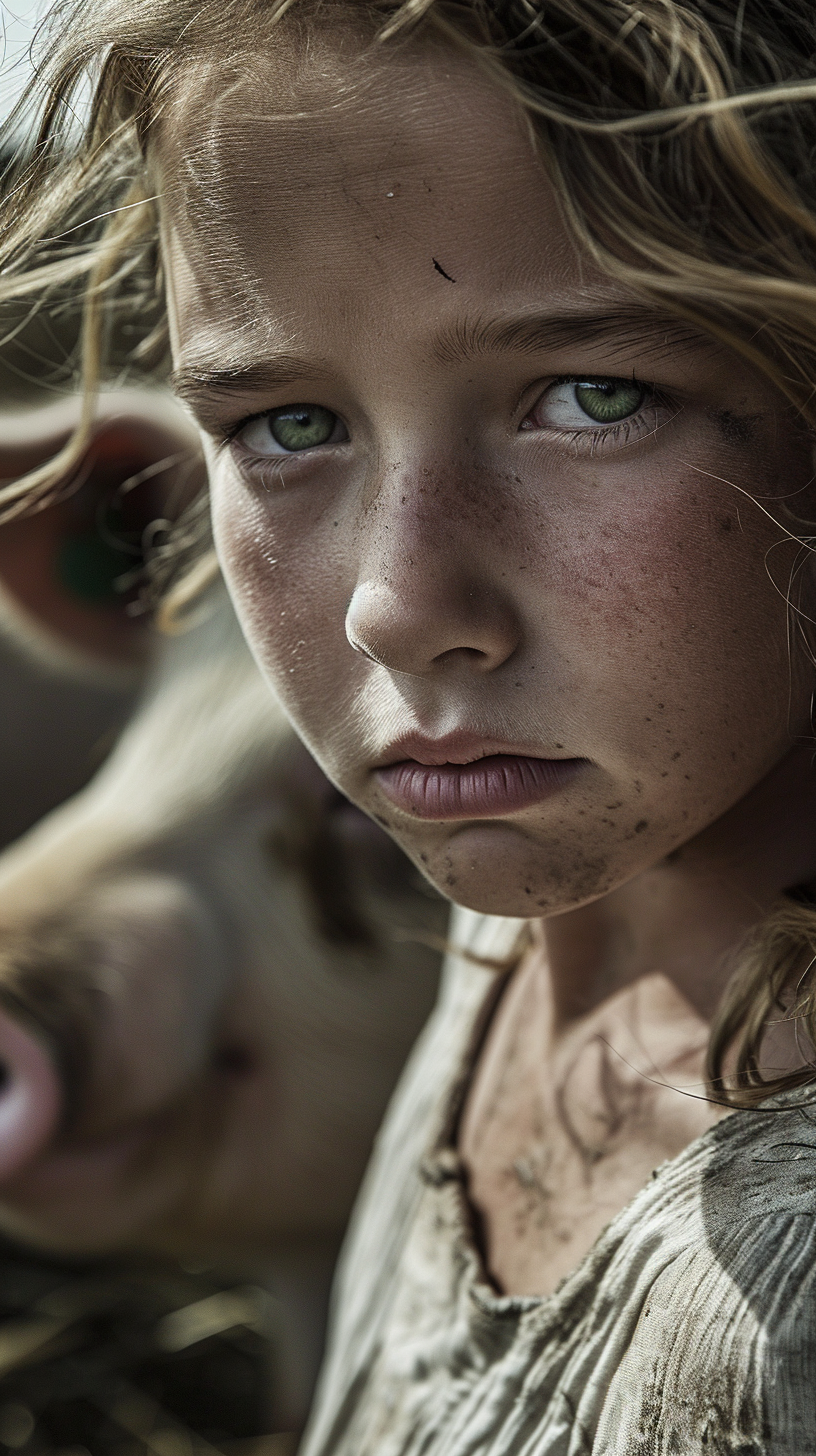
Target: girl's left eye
{"x":291,"y":429}
{"x":576,"y":404}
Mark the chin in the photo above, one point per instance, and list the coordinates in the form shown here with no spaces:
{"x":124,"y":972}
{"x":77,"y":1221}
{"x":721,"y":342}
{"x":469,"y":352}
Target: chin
{"x":498,"y":869}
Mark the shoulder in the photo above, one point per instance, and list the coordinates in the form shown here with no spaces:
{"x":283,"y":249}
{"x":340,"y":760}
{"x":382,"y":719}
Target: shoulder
{"x":723,"y":1354}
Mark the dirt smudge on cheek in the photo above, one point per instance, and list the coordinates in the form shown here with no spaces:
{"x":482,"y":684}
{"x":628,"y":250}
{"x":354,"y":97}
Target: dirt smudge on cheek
{"x":738,"y":430}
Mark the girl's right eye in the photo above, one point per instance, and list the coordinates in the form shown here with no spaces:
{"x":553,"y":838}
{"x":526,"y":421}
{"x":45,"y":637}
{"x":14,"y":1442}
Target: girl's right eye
{"x":290,"y":430}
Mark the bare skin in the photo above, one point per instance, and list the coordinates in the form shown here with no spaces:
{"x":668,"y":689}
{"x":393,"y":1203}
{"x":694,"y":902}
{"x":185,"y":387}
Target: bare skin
{"x":465,"y":566}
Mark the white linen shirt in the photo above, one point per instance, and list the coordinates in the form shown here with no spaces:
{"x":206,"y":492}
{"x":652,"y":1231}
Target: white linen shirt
{"x":689,"y":1328}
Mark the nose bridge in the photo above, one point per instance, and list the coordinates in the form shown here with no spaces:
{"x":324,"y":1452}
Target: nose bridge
{"x":427,"y":591}
{"x":416,"y":513}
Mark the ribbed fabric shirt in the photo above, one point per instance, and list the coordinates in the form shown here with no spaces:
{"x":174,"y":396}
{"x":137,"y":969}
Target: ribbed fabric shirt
{"x":689,"y":1328}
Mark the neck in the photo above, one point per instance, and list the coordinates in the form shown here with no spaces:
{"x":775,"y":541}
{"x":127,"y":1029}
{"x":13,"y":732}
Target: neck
{"x":687,"y":916}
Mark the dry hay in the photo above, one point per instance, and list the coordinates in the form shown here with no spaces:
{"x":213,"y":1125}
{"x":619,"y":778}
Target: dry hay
{"x":132,"y":1360}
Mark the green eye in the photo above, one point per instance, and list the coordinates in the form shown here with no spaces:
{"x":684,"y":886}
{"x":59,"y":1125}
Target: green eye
{"x":302,"y":426}
{"x":609,"y":400}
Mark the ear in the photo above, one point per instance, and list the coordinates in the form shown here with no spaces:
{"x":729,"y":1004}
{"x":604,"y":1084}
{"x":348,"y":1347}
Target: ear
{"x":69,"y":572}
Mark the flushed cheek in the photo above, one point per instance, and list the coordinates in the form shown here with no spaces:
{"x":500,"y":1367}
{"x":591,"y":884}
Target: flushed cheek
{"x":675,"y":636}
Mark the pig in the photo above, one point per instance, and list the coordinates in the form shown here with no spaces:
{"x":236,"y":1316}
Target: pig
{"x":212,"y":967}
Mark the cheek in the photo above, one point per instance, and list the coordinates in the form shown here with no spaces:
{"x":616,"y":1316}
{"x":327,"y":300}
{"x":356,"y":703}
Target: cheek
{"x":289,"y":579}
{"x":673,"y":628}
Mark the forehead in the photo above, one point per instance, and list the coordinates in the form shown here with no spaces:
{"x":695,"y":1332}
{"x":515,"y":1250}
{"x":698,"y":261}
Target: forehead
{"x":331,"y":178}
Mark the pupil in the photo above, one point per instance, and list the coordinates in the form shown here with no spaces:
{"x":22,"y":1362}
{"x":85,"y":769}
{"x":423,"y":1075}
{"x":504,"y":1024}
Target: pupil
{"x":609,"y":400}
{"x":302,"y":426}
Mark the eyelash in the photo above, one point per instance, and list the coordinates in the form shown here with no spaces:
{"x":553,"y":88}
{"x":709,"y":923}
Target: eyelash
{"x":618,"y":432}
{"x":621,"y":432}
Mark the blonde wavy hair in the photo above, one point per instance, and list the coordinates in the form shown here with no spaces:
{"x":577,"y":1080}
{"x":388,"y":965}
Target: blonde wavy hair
{"x":681,"y":137}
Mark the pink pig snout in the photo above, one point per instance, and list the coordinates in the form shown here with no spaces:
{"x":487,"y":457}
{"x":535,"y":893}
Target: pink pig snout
{"x":31,"y":1098}
{"x":106,"y":1015}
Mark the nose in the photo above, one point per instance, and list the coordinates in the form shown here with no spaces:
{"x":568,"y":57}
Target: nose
{"x":429,"y":596}
{"x":31,"y":1101}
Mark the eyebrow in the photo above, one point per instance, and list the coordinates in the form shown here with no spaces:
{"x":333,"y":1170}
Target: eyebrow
{"x":200,"y":386}
{"x":537,"y":333}
{"x":197,"y":385}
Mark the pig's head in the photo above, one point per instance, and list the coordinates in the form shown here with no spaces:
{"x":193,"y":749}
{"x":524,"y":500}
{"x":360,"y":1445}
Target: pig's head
{"x":211,"y":968}
{"x":92,"y":1036}
{"x":198,"y":1046}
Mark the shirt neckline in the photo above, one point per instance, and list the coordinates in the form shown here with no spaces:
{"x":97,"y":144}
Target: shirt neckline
{"x":443,"y":1165}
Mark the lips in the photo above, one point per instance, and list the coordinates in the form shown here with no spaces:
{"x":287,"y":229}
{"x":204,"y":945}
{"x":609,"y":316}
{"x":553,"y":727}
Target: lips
{"x":489,"y":787}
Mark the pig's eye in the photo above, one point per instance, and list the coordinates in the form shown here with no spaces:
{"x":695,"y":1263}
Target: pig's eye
{"x":571,"y":404}
{"x":292,"y":428}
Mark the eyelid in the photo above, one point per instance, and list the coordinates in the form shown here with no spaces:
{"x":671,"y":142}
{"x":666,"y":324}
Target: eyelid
{"x":654,"y":394}
{"x":229,"y":432}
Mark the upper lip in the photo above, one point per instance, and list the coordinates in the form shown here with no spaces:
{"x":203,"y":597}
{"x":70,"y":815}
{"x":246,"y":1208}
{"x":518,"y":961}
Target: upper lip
{"x":459,"y":747}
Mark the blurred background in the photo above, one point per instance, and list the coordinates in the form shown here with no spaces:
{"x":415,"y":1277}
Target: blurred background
{"x":98,"y":1358}
{"x":18,"y":25}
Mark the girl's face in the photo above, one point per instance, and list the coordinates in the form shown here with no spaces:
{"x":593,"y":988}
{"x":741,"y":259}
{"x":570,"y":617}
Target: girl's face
{"x":473,"y":499}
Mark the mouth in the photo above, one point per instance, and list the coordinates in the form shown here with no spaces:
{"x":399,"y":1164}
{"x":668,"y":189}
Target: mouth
{"x":443,"y":781}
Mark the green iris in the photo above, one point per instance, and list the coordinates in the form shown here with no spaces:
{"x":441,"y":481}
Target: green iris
{"x":609,"y":400}
{"x":302,"y":426}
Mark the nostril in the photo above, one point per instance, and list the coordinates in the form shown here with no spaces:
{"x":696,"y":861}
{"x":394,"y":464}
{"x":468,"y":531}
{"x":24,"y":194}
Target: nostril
{"x":30,"y":1096}
{"x":454,"y":655}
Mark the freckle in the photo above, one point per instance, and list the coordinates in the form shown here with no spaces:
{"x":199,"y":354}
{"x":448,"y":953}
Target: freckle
{"x":641,"y":825}
{"x":675,"y":755}
{"x":424,"y":858}
{"x":450,"y":880}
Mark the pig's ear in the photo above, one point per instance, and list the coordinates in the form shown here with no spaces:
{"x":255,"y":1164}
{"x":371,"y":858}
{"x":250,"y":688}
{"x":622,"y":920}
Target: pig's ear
{"x":69,"y":573}
{"x":30,"y":1096}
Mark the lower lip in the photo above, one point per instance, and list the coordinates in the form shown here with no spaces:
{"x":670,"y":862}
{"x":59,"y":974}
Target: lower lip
{"x":485,"y":789}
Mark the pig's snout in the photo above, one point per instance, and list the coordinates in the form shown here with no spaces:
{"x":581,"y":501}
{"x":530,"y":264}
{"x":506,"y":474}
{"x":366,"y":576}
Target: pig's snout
{"x":31,"y":1099}
{"x":159,"y":978}
{"x":106,"y":1014}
